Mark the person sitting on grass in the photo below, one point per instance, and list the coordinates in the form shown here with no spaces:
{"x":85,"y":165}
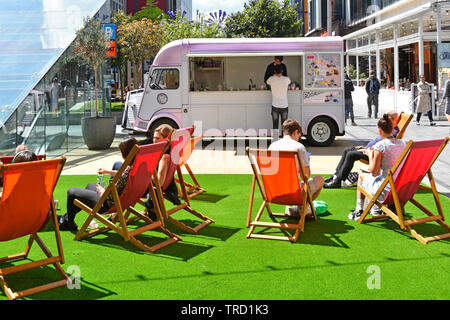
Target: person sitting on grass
{"x":353,"y":154}
{"x":93,"y":192}
{"x":292,"y":131}
{"x":382,"y":156}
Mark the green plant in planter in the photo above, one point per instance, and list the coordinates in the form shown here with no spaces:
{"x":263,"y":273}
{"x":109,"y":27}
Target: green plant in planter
{"x":90,"y":46}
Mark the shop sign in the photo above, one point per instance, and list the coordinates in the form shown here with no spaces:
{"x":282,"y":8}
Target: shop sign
{"x":110,"y":31}
{"x":443,"y":55}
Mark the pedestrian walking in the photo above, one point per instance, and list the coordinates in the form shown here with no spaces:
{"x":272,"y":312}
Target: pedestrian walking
{"x":423,"y":100}
{"x":348,"y":88}
{"x":446,"y":97}
{"x":372,"y":89}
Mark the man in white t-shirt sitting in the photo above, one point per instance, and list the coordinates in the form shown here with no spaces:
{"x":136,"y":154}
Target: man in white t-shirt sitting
{"x":292,"y":131}
{"x":279,"y":85}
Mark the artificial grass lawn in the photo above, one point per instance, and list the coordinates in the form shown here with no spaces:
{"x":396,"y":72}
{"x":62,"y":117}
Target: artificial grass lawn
{"x":332,"y":259}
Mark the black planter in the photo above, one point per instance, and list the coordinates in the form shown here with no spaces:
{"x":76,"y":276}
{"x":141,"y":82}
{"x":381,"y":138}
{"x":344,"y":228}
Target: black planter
{"x":98,"y":133}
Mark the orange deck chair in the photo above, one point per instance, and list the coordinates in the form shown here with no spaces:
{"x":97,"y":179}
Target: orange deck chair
{"x":180,"y":139}
{"x":146,"y":159}
{"x":404,"y":179}
{"x":195,"y":188}
{"x":24,"y":211}
{"x":278,"y":178}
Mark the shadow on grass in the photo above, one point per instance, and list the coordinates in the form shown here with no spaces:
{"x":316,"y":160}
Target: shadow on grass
{"x":40,"y":276}
{"x":214,"y":231}
{"x":209,"y":197}
{"x":179,"y":250}
{"x":323,"y":232}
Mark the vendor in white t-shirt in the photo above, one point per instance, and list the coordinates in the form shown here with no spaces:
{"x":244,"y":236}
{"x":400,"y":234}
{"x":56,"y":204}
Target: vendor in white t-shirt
{"x":292,"y":131}
{"x":279,"y":85}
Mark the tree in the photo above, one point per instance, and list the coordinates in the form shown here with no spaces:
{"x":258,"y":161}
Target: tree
{"x":149,"y":11}
{"x":120,"y":18}
{"x":264,"y":19}
{"x":91,"y":44}
{"x":139,"y":40}
{"x":177,"y":26}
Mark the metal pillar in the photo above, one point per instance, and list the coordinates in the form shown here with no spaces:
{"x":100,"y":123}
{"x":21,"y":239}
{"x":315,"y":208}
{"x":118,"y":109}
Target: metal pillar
{"x":396,"y":66}
{"x":421,"y":58}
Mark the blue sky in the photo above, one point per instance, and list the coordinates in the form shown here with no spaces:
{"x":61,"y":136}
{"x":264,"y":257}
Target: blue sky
{"x":229,"y":6}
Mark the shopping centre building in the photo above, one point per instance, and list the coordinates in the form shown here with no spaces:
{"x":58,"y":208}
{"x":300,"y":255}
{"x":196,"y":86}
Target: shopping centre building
{"x":44,"y":89}
{"x":399,"y":39}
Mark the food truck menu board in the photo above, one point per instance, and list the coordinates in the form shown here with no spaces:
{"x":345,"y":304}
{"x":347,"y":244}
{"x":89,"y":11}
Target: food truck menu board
{"x":323,"y":71}
{"x":322,"y":97}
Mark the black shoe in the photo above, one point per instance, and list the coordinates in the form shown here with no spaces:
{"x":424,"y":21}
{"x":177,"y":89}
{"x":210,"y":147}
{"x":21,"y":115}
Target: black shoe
{"x":333,"y":184}
{"x":329,"y":179}
{"x":66,"y":225}
{"x":355,"y":214}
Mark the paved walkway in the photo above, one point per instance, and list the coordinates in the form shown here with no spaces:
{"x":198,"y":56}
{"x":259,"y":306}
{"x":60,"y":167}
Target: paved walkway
{"x":215,"y":157}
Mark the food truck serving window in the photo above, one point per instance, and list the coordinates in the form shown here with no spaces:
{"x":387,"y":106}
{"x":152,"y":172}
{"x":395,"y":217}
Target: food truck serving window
{"x":163,"y":79}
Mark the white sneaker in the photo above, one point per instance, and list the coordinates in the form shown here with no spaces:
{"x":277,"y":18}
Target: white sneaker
{"x":347,"y":183}
{"x":376,"y":212}
{"x":291,"y":210}
{"x":93,"y":225}
{"x":295,"y":211}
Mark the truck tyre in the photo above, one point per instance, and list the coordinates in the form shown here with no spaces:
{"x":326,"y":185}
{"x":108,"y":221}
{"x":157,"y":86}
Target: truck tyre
{"x":321,"y":132}
{"x":159,"y":122}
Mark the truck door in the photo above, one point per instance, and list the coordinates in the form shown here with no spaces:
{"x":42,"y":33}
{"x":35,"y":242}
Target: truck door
{"x":163,"y":91}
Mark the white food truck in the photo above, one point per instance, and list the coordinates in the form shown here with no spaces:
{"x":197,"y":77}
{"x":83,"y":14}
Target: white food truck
{"x":218,"y":86}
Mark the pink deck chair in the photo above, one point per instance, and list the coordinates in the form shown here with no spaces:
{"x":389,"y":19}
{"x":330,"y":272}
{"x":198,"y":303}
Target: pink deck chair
{"x":146,"y":159}
{"x":24,"y":211}
{"x":180,"y":139}
{"x":404,"y":179}
{"x":278,"y":175}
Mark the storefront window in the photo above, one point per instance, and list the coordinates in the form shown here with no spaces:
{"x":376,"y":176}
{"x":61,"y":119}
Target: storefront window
{"x":387,"y":68}
{"x":408,"y":28}
{"x":373,"y":38}
{"x":387,"y":34}
{"x":351,"y":44}
{"x":429,"y":24}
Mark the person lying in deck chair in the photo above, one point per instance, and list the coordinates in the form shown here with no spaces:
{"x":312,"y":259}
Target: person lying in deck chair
{"x":353,"y":154}
{"x":161,"y":134}
{"x":292,"y":131}
{"x":381,"y":157}
{"x":92,"y":193}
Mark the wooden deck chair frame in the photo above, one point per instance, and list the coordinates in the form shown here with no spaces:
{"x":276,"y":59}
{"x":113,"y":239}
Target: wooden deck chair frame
{"x":304,"y":202}
{"x":397,"y":216}
{"x":56,"y":261}
{"x":185,"y":204}
{"x":194,"y":188}
{"x":122,"y":215}
{"x":405,"y":119}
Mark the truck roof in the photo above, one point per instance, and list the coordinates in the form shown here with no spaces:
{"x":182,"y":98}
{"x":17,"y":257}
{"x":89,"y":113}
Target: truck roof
{"x":172,"y":53}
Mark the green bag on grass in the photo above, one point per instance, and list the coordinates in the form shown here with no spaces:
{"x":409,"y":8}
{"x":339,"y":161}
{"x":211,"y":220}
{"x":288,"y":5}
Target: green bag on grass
{"x":320,"y":206}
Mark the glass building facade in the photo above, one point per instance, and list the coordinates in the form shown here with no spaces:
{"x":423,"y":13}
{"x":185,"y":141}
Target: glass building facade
{"x":44,"y":89}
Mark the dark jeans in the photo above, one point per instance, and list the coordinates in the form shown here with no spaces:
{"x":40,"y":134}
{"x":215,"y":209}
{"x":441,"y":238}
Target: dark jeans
{"x":277,"y":113}
{"x":348,"y":159}
{"x":372,"y":99}
{"x":430,"y":116}
{"x":88,"y":196}
{"x":349,"y":109}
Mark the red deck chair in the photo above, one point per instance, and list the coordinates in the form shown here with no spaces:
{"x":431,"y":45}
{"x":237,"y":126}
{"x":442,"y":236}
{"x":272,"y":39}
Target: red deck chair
{"x":146,"y":159}
{"x":24,"y":211}
{"x":278,"y":179}
{"x":180,"y":139}
{"x":404,"y":179}
{"x":194,"y":188}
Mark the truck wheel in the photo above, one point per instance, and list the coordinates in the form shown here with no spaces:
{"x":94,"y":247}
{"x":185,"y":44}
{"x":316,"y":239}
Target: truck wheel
{"x":157,"y":123}
{"x":321,"y":132}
